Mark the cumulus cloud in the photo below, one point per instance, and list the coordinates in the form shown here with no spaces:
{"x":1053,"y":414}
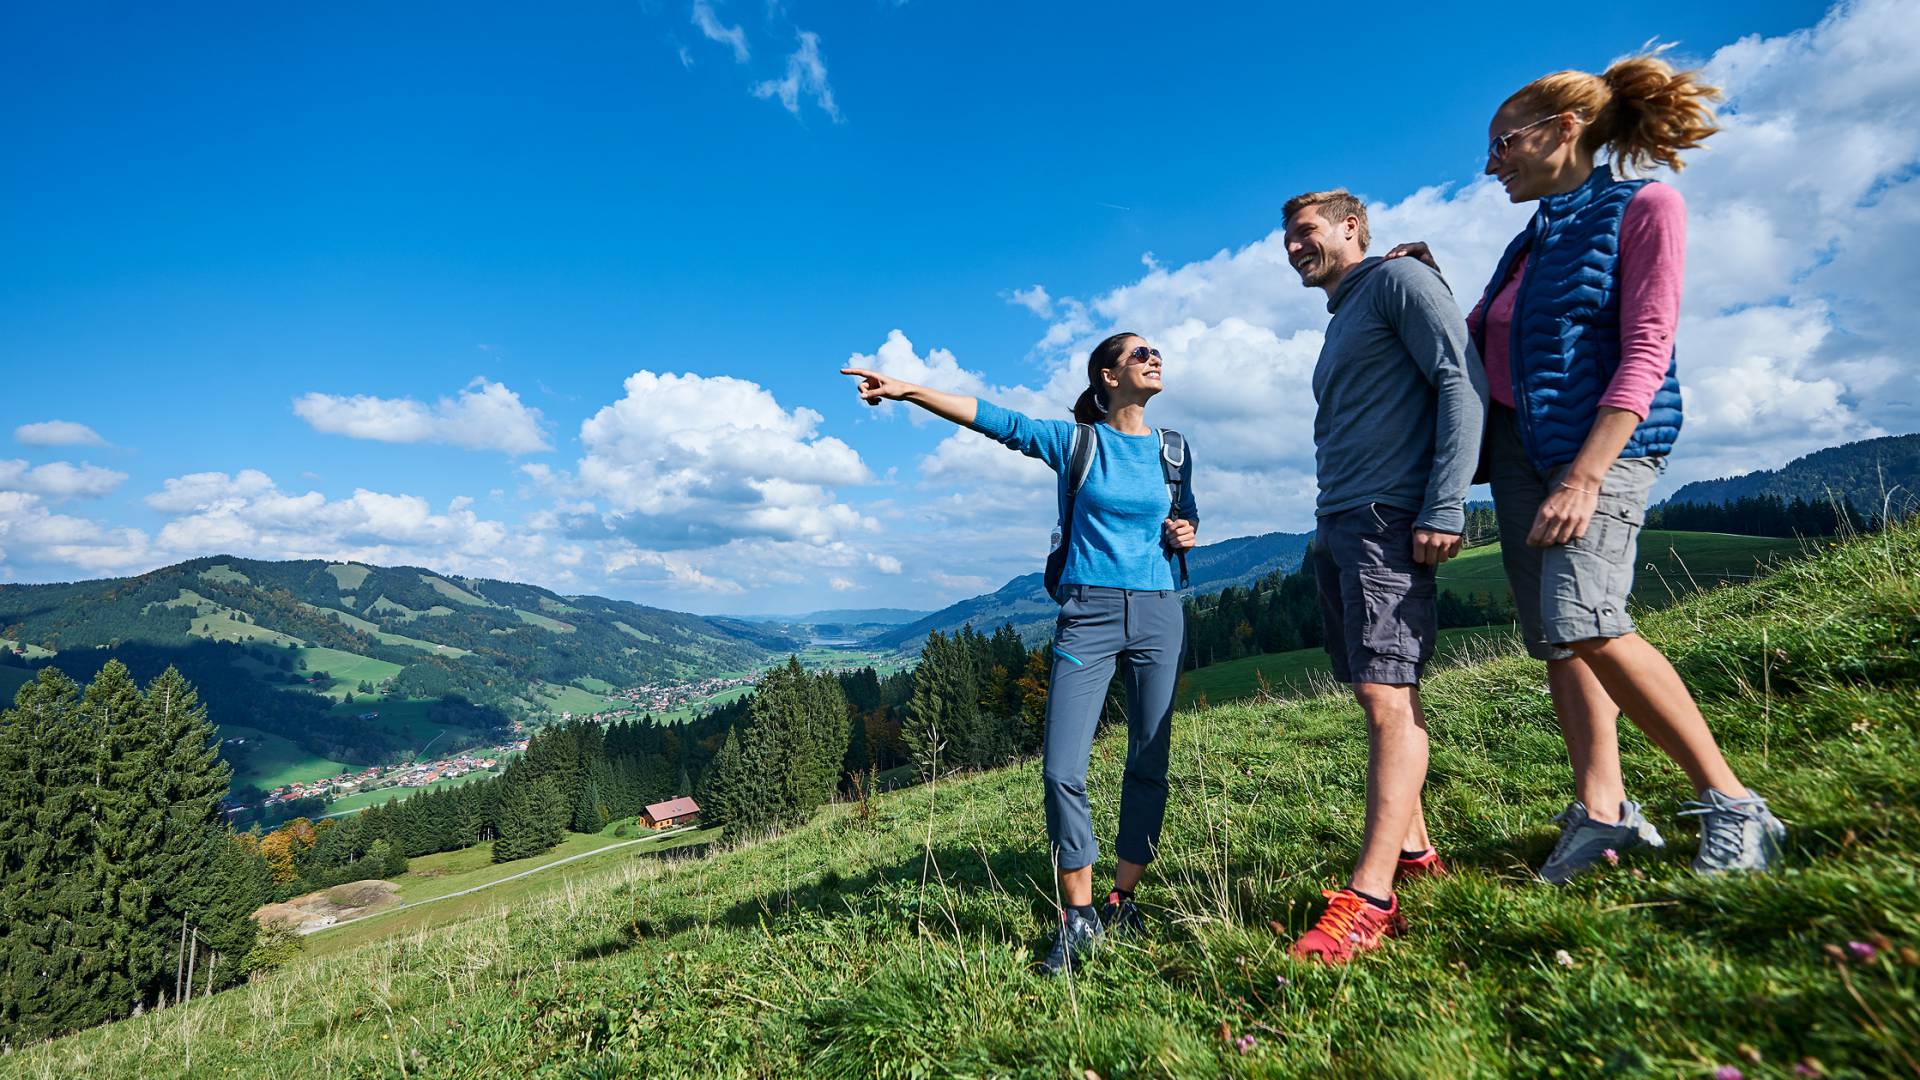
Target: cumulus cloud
{"x":690,"y":461}
{"x":57,"y":433}
{"x":483,"y":416}
{"x":59,"y":479}
{"x":806,"y":76}
{"x":709,"y":24}
{"x":1034,"y":298}
{"x":31,"y":533}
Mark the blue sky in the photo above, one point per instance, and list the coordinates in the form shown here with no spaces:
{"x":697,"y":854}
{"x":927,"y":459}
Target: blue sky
{"x":559,"y":295}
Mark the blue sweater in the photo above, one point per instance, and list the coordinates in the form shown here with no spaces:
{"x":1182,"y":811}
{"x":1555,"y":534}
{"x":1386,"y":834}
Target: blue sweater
{"x":1117,"y":516}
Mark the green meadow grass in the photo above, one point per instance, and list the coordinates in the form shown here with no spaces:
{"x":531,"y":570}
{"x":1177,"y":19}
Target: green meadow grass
{"x":1671,"y":564}
{"x":894,"y":940}
{"x":272,"y":760}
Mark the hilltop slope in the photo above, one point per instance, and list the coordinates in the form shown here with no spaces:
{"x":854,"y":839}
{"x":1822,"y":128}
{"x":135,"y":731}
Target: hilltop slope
{"x":1863,"y":473}
{"x":896,"y":942}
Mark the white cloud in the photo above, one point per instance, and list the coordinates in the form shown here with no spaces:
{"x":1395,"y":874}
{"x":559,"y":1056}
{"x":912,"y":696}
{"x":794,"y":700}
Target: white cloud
{"x":806,"y":76}
{"x":59,"y":479}
{"x":32,"y":534}
{"x":483,"y":416}
{"x":734,"y":37}
{"x":688,"y":461}
{"x":57,"y":433}
{"x":1034,"y":298}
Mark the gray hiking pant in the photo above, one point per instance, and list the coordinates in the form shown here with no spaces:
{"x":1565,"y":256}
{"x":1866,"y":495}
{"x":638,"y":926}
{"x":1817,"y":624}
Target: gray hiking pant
{"x":1144,"y":633}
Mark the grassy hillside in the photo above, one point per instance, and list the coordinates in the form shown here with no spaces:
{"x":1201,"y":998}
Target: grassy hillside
{"x":1672,"y":565}
{"x":897,"y":943}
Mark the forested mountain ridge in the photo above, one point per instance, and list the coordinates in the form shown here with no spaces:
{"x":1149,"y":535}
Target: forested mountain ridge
{"x":445,"y":632}
{"x":1864,"y":473}
{"x":1024,"y":602}
{"x":358,"y":664}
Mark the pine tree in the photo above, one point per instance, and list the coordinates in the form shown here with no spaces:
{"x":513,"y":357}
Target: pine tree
{"x":45,"y":841}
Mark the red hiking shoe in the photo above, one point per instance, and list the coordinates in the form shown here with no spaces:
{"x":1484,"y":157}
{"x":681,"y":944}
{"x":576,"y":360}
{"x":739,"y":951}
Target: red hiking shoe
{"x":1427,"y":865}
{"x":1349,"y":925}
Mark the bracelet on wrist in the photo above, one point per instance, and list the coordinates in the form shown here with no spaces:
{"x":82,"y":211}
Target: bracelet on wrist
{"x":1581,"y":490}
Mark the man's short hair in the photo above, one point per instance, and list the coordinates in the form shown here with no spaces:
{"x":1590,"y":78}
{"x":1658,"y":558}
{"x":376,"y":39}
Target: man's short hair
{"x":1335,"y":206}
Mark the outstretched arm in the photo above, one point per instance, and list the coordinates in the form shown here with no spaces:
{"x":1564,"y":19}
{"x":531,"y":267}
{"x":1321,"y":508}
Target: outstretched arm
{"x":1048,"y":440}
{"x":875,"y":388}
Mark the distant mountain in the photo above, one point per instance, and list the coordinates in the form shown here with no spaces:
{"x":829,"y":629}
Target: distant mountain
{"x":357,"y":663}
{"x":848,"y":616}
{"x":1025,"y":603}
{"x":1863,"y":473}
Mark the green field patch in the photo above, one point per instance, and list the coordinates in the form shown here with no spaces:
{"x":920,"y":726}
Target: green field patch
{"x":542,"y":621}
{"x":572,"y":699}
{"x":548,"y":603}
{"x":454,"y":592}
{"x":348,"y":669}
{"x":386,"y":606}
{"x":1671,"y":565}
{"x":28,"y":649}
{"x":349,"y":576}
{"x":268,"y":761}
{"x":387,"y":637}
{"x":630,"y":631}
{"x":595,"y":686}
{"x":225,"y":575}
{"x":218,"y":622}
{"x":363,"y":625}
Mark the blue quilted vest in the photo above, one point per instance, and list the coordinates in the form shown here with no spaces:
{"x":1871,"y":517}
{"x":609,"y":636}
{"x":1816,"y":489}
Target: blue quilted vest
{"x":1566,"y":325}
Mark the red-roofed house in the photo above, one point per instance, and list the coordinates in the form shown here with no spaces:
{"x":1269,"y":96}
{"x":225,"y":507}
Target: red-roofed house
{"x":665,"y":815}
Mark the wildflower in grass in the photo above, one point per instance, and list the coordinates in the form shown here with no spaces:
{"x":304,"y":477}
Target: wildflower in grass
{"x":1862,"y":951}
{"x":1563,"y":957}
{"x":1909,"y":956}
{"x":1613,"y":857}
{"x":1280,"y":981}
{"x":1834,"y":952}
{"x":1809,"y":1066}
{"x":1246,"y":1043}
{"x":1728,"y":1072}
{"x":1750,"y":1052}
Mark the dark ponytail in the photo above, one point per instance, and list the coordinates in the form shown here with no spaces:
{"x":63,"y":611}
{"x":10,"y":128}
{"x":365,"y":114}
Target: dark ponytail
{"x":1092,"y":406}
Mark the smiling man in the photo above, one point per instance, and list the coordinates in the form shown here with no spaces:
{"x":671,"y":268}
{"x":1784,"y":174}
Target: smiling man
{"x":1401,"y":399}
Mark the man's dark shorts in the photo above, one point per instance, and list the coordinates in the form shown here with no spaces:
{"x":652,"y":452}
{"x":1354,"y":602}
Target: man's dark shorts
{"x":1376,"y":602}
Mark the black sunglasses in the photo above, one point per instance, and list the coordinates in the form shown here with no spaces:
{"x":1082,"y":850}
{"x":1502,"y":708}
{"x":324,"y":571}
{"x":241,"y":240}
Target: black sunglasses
{"x":1140,"y":354}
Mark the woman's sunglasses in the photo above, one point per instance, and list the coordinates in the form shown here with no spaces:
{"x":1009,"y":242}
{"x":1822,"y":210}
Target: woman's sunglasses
{"x":1140,"y":354}
{"x":1497,"y":146}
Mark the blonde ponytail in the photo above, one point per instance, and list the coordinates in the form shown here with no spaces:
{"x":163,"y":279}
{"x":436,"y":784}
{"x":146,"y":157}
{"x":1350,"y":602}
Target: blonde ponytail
{"x":1641,"y":112}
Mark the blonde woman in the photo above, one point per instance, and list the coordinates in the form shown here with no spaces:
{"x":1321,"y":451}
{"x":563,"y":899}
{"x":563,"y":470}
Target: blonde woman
{"x":1576,"y":330}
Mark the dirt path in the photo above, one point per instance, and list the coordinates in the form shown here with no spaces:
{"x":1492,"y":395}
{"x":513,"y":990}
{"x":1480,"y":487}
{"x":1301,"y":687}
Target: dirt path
{"x":504,"y":880}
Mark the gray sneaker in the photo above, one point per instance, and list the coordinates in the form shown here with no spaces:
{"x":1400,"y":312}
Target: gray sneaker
{"x":1735,"y":834}
{"x":1584,"y":841}
{"x":1078,"y":936}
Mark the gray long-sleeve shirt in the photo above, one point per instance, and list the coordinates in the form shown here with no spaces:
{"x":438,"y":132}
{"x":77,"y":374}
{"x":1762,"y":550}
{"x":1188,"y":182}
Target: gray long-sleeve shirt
{"x":1401,"y":394}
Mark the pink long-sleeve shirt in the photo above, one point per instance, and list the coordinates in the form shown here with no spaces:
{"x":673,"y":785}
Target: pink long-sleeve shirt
{"x":1653,"y":254}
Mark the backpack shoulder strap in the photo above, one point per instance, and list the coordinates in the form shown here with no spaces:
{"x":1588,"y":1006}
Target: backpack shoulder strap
{"x":1080,"y":458}
{"x":1173,"y":453}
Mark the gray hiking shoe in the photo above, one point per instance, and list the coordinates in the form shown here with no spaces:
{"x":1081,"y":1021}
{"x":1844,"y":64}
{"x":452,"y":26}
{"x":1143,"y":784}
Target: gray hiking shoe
{"x":1584,"y":841}
{"x":1735,"y":834}
{"x":1078,"y":936}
